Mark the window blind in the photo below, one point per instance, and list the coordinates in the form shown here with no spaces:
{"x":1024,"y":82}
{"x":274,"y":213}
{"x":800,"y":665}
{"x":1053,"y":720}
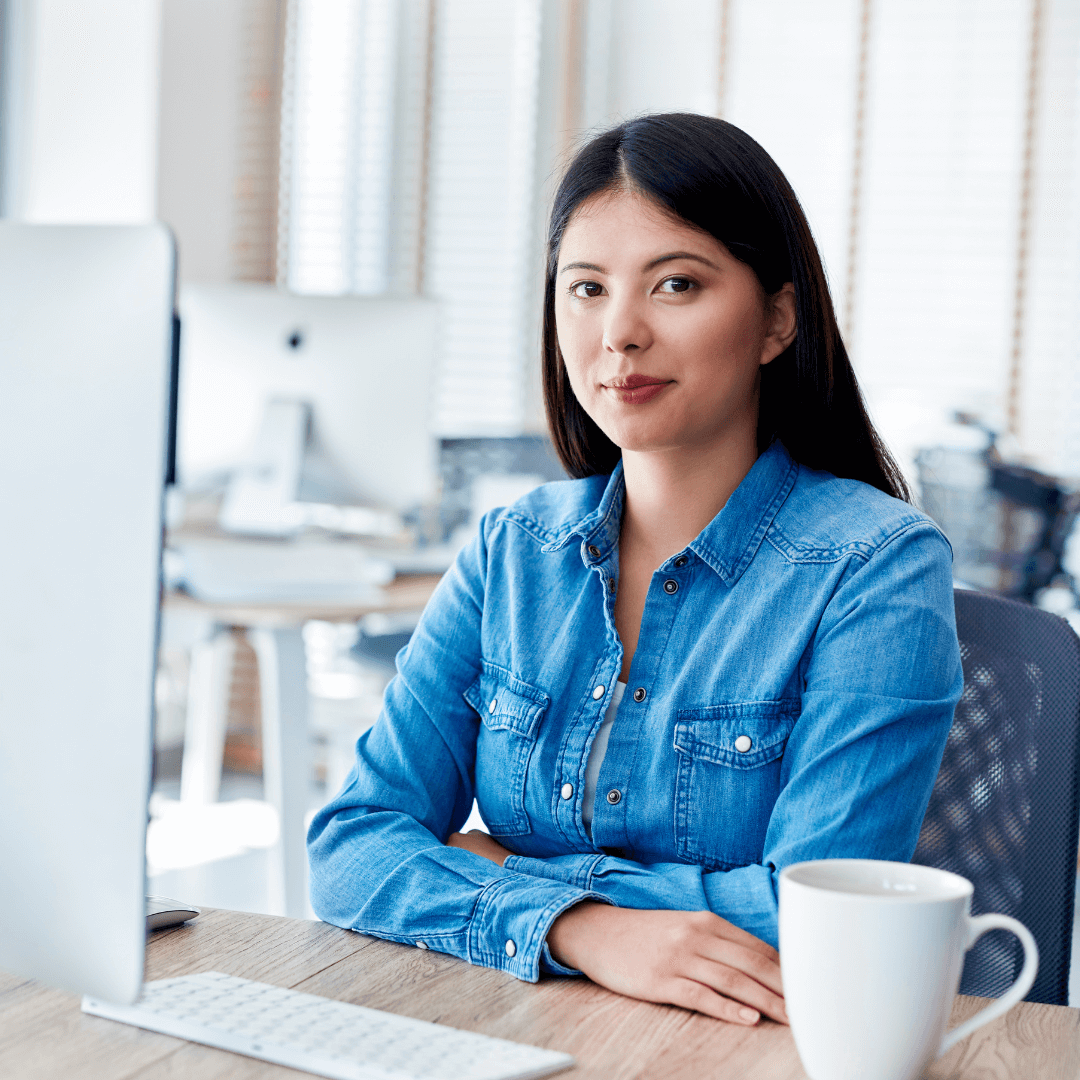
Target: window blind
{"x":1049,"y":387}
{"x":940,"y":210}
{"x":481,"y":240}
{"x":338,"y":137}
{"x":254,"y":225}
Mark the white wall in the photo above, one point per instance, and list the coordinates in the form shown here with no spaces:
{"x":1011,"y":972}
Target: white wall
{"x":201,"y":65}
{"x":663,"y":58}
{"x":83,"y":100}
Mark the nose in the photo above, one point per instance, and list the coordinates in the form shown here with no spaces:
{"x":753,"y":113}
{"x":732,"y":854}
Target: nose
{"x":626,"y":328}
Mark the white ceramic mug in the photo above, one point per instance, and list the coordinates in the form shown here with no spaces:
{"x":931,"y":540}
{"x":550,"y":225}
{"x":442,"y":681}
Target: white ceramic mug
{"x":871,"y":955}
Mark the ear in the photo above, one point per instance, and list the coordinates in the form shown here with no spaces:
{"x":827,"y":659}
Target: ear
{"x":780,"y":325}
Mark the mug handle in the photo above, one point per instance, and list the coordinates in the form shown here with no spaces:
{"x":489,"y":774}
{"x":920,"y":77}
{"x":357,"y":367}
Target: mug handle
{"x":976,"y":928}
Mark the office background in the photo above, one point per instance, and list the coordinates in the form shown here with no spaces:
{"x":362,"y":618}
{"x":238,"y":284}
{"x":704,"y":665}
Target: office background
{"x":411,"y":146}
{"x":408,"y":149}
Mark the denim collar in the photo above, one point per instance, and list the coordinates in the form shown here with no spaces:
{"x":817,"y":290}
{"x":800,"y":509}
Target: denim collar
{"x":727,"y":543}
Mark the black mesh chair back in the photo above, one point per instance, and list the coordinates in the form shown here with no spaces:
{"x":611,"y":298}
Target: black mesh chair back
{"x":1004,"y":809}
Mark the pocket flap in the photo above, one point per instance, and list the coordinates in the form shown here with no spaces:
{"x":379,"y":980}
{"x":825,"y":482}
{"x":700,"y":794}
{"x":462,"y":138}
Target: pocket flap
{"x":505,"y":702}
{"x":741,"y":736}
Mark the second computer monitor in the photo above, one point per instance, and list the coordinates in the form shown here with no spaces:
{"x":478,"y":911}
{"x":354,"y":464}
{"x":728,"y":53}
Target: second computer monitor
{"x":364,"y":365}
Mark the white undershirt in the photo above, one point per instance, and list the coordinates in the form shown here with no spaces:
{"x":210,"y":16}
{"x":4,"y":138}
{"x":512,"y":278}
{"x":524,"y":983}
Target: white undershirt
{"x":596,"y":757}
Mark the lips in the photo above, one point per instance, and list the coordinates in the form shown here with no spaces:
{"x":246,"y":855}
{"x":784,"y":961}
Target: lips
{"x":632,"y":382}
{"x":637,"y":389}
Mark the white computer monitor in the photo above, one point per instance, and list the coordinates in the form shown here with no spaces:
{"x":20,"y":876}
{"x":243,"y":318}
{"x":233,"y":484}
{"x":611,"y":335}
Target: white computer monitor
{"x":364,"y":365}
{"x":85,"y":321}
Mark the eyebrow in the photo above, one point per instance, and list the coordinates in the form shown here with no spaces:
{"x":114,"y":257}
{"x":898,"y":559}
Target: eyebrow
{"x":648,"y":266}
{"x":682,"y":255}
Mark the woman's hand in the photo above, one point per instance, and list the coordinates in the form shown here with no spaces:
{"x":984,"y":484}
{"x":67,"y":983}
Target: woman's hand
{"x":479,"y":843}
{"x":690,"y":958}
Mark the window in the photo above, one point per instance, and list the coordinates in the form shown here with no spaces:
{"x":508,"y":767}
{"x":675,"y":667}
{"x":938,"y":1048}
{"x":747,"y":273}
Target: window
{"x":338,"y":119}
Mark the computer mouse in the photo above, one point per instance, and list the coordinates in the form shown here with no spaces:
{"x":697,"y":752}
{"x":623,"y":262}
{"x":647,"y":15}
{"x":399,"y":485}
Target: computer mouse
{"x":162,"y":912}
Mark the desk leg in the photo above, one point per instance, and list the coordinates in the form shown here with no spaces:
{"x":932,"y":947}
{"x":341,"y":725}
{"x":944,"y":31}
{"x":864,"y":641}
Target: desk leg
{"x":207,"y":714}
{"x":286,"y":759}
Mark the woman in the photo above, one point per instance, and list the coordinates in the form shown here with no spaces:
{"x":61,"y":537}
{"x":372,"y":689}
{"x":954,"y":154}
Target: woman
{"x":735,"y":553}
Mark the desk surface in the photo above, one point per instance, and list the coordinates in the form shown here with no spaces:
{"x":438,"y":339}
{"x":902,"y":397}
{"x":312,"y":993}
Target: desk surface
{"x":43,"y":1035}
{"x":407,"y":592}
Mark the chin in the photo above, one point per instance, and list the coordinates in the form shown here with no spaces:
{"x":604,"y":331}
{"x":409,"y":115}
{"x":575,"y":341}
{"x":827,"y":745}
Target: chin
{"x":642,"y":442}
{"x":651,"y":428}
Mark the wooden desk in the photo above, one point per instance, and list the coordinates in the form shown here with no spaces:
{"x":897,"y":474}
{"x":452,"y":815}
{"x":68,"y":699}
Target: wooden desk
{"x":409,"y":592}
{"x":43,"y":1035}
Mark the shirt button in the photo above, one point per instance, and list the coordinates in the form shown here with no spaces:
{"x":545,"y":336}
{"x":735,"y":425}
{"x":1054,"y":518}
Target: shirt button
{"x":567,"y":791}
{"x":613,"y":796}
{"x":743,"y":743}
{"x":594,"y":551}
{"x":681,"y":561}
{"x":639,"y":694}
{"x":598,"y":692}
{"x":492,"y":707}
{"x":511,"y":948}
{"x":611,"y":584}
{"x":421,"y":944}
{"x":671,"y":587}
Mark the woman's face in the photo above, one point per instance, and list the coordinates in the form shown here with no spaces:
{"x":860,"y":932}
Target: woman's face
{"x":662,"y":330}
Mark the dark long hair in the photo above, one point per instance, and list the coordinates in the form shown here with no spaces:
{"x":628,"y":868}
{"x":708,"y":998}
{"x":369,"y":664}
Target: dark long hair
{"x":712,"y":175}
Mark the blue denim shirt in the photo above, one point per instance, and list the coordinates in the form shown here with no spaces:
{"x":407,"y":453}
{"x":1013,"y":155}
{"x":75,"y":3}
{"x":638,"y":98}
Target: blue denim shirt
{"x":790,"y":698}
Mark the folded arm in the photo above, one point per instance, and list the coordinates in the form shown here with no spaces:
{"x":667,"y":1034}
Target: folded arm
{"x":880,"y":690}
{"x":379,"y":862}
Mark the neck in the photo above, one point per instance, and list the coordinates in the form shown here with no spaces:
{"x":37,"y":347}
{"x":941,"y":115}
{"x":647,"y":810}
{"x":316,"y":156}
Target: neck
{"x":671,"y":495}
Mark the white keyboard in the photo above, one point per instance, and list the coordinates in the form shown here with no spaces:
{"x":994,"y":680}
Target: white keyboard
{"x":318,"y":1035}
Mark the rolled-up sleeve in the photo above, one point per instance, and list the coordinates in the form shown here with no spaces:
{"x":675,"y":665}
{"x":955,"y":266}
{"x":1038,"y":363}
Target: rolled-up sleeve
{"x":379,"y":863}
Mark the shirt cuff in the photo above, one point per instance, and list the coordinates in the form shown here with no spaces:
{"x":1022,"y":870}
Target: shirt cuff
{"x":576,"y":870}
{"x":511,"y":920}
{"x":550,"y":966}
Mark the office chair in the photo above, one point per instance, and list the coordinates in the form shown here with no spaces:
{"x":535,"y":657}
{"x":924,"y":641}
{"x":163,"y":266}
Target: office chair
{"x":1004,"y":809}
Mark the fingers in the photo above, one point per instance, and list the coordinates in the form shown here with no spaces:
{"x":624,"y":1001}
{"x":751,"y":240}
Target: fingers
{"x":756,"y":965}
{"x":694,"y":995}
{"x":735,"y":965}
{"x":707,"y":935}
{"x":728,"y":982}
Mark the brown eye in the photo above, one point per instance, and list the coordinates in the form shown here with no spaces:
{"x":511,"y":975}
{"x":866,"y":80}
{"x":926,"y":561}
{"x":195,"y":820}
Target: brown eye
{"x":584,"y":290}
{"x":676,"y":285}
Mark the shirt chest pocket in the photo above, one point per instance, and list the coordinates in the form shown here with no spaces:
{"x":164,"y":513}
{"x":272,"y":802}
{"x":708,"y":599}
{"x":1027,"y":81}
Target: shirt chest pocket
{"x":727,"y":779}
{"x":510,"y":714}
